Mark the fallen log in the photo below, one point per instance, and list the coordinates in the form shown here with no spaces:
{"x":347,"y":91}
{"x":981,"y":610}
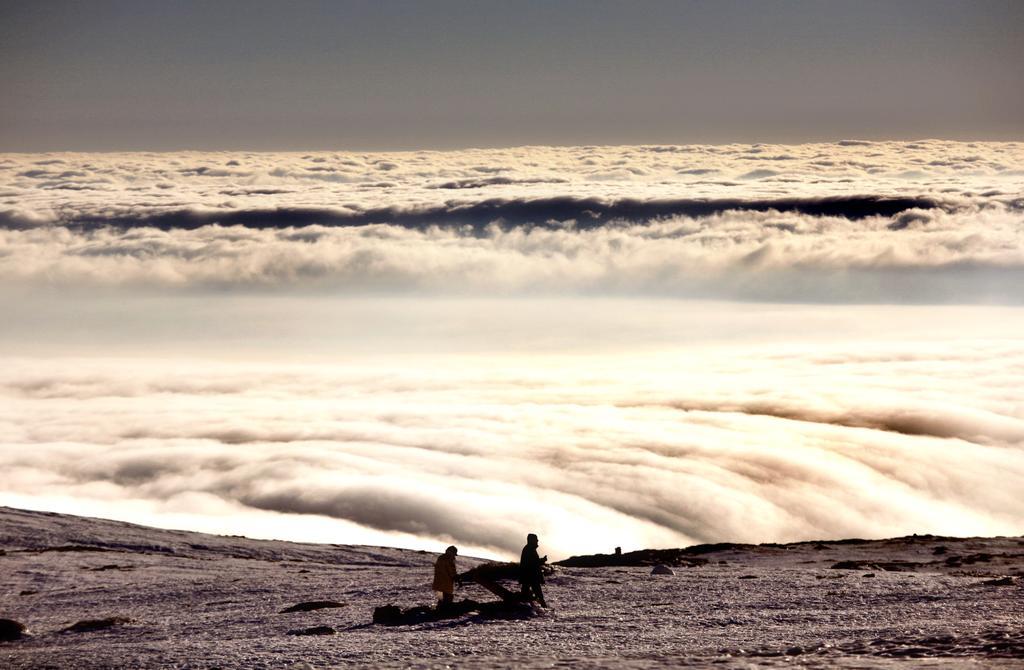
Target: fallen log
{"x":497,"y":589}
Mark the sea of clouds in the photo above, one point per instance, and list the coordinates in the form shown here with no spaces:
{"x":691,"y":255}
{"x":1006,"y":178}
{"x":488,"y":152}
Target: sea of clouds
{"x":429,"y":347}
{"x":736,"y":443}
{"x":849,"y":221}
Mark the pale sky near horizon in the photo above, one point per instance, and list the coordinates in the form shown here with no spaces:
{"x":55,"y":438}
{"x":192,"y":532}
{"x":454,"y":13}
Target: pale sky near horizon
{"x":401,"y":75}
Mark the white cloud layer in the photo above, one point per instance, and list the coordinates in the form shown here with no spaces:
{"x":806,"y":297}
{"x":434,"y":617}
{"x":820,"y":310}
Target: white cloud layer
{"x":647,"y":421}
{"x":956,"y":257}
{"x":925,"y":221}
{"x":662,"y":449}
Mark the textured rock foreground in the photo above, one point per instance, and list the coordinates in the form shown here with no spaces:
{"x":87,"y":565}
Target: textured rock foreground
{"x":198,"y":601}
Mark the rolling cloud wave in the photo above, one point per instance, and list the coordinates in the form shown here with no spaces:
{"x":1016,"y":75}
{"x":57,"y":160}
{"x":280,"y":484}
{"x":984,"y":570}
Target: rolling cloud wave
{"x":590,"y":457}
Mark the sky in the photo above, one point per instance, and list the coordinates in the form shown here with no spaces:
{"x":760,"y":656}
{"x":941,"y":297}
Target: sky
{"x":104,"y":76}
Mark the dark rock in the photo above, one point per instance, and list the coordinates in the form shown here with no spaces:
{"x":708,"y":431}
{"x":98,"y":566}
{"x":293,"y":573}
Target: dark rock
{"x":315,"y":630}
{"x":910,"y":652}
{"x":311,"y":606}
{"x":852,"y":565}
{"x":887,"y":566}
{"x":977,"y":558}
{"x":748,"y":577}
{"x":389,"y":615}
{"x":424,"y":613}
{"x":698,"y":549}
{"x":104,"y":568}
{"x":11,"y":630}
{"x":849,"y":541}
{"x":504,"y":610}
{"x":868,"y":575}
{"x":90,"y":625}
{"x":677,"y":558}
{"x":69,"y":547}
{"x":27,"y":592}
{"x":970,"y":559}
{"x":1001,"y":581}
{"x":939,"y":551}
{"x":662,"y":570}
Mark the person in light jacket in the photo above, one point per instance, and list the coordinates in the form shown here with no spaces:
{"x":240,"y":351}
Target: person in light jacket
{"x":444,"y":577}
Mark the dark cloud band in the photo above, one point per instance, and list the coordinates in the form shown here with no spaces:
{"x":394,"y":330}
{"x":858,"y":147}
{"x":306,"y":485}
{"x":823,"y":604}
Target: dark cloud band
{"x":587,"y":213}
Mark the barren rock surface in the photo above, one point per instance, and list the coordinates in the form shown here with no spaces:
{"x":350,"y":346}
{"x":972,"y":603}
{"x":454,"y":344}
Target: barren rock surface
{"x":189,"y":600}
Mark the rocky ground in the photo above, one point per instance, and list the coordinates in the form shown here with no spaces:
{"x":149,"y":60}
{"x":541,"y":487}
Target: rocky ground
{"x":104,"y":594}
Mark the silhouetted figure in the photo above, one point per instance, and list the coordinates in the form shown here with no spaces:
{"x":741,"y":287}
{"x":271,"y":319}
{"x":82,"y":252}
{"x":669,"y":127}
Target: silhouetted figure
{"x":444,"y":577}
{"x":531,"y":571}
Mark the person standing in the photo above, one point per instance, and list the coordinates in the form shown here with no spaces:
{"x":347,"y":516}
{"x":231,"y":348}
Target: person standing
{"x":444,"y":577}
{"x":531,"y":571}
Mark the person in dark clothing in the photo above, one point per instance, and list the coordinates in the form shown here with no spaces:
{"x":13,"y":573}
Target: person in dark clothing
{"x":531,"y":571}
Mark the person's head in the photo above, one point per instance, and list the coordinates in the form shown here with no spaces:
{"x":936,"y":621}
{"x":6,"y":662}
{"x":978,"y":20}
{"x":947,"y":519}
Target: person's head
{"x":451,"y":551}
{"x":532,"y":540}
